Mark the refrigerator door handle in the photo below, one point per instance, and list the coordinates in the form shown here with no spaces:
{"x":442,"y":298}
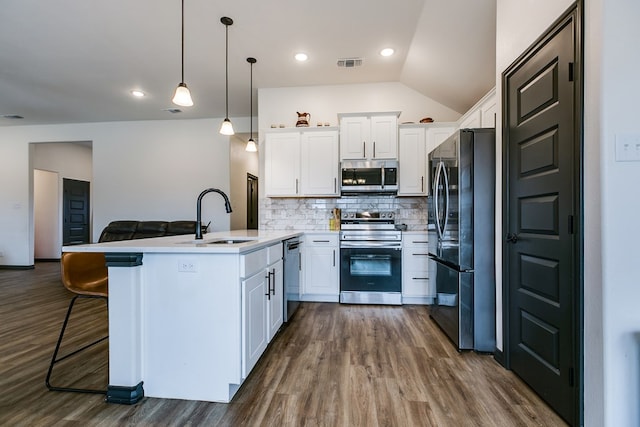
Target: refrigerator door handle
{"x":446,"y":198}
{"x":436,"y":196}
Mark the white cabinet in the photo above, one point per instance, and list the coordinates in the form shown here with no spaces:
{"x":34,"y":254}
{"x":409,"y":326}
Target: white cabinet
{"x":254,"y":313}
{"x":262,"y":302}
{"x":320,"y":267}
{"x":416,"y":288}
{"x":301,"y":163}
{"x":413,"y":162}
{"x":482,"y":114}
{"x":368,"y":136}
{"x":415,"y":143}
{"x":319,"y":163}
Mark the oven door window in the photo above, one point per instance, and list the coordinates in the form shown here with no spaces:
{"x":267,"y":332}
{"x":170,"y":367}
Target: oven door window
{"x":370,"y":265}
{"x":371,"y":269}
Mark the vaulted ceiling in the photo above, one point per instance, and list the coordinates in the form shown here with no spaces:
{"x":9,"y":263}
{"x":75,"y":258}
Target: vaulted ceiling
{"x":73,"y":61}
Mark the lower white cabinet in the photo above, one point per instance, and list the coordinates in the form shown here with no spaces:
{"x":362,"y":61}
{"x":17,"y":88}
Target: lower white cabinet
{"x":262,"y":302}
{"x":321,"y":267}
{"x":416,"y":288}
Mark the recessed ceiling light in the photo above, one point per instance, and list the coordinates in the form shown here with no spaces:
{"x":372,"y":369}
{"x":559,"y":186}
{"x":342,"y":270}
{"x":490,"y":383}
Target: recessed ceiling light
{"x":301,"y":57}
{"x":387,"y":52}
{"x":137,"y":93}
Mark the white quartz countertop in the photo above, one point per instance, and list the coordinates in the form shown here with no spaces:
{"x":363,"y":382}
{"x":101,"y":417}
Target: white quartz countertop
{"x":245,"y":241}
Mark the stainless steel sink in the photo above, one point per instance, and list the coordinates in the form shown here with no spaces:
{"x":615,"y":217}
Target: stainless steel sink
{"x":229,"y":241}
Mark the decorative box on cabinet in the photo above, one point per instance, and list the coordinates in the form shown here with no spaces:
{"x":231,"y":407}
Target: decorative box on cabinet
{"x":416,"y":288}
{"x":369,"y":136}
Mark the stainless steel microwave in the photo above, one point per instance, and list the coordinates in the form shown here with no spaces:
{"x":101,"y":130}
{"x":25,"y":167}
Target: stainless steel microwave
{"x":374,"y":177}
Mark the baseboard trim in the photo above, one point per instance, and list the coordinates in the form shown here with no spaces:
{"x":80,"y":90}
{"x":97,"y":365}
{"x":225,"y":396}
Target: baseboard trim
{"x":125,"y":395}
{"x":17,"y":267}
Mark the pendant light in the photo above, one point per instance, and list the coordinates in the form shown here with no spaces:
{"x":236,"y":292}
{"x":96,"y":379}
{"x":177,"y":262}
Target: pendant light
{"x":251,"y":144}
{"x":226,"y":128}
{"x":182,"y":96}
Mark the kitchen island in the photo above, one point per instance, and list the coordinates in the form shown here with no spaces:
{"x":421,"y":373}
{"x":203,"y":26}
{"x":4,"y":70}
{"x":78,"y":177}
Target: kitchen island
{"x":189,"y":319}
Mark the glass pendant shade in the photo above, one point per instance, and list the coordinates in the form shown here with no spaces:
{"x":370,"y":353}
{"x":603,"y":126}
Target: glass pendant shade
{"x":226,"y":128}
{"x":182,"y":96}
{"x":251,"y":146}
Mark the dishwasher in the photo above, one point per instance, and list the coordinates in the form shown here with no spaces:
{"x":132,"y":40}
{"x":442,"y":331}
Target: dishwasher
{"x":291,"y":277}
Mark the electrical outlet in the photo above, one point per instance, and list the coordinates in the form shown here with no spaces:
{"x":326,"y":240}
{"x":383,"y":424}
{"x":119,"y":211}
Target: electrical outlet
{"x":187,"y":266}
{"x":628,"y":147}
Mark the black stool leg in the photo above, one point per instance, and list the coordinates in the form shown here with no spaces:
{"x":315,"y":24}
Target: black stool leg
{"x":55,"y":352}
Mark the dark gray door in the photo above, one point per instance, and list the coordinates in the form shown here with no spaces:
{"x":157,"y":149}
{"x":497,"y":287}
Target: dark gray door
{"x":541,"y":204}
{"x":75,"y":199}
{"x":252,"y":202}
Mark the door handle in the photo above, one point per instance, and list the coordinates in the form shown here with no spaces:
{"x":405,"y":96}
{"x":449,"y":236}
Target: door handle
{"x":273,"y":274}
{"x":512,"y":238}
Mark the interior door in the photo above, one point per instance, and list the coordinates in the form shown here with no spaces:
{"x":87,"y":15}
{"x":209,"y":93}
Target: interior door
{"x":252,"y":202}
{"x":75,"y":199}
{"x":540,"y":218}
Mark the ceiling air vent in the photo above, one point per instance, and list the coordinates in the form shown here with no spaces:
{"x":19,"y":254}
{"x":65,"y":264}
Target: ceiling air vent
{"x":349,"y":62}
{"x":11,"y":116}
{"x":173,"y":110}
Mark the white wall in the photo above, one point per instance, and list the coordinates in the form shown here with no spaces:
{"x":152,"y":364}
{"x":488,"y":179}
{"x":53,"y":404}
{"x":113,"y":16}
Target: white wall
{"x":279,"y":105}
{"x":152,"y":170}
{"x":241,"y":162}
{"x":46,"y":215}
{"x":68,"y":160}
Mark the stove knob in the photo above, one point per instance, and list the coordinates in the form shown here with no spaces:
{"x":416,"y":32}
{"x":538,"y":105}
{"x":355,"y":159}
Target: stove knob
{"x":383,"y":215}
{"x":352,"y":215}
{"x":390,"y":215}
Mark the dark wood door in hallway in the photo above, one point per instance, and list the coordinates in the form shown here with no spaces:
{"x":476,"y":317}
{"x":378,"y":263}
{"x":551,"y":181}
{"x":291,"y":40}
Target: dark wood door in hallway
{"x":333,"y":365}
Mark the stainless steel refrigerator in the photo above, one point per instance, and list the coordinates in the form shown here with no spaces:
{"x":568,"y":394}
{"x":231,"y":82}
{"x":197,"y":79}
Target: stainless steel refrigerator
{"x":461,"y":238}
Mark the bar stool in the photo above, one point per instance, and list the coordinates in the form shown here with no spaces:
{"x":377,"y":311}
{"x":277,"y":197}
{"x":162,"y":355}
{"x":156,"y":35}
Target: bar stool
{"x":86,"y":275}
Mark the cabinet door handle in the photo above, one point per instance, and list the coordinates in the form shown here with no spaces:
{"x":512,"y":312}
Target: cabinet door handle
{"x":421,"y":254}
{"x":364,"y":149}
{"x":422,"y":184}
{"x":419,"y":241}
{"x":321,"y":241}
{"x":335,"y":184}
{"x":268,"y":277}
{"x":273,"y":274}
{"x":334,"y":257}
{"x":299,"y":261}
{"x":419,"y":278}
{"x":374,"y":149}
{"x":296,"y":185}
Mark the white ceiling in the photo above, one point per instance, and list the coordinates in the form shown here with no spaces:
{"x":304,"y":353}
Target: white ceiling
{"x":73,"y":61}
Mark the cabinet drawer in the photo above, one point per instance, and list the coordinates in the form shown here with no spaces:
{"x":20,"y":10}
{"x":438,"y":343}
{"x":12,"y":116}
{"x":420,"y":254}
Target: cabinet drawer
{"x":253,"y":262}
{"x":274,"y":253}
{"x":321,"y":240}
{"x":415,"y":260}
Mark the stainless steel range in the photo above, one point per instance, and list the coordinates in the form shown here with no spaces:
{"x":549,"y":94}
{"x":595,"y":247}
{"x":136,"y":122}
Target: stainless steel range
{"x":371,"y":258}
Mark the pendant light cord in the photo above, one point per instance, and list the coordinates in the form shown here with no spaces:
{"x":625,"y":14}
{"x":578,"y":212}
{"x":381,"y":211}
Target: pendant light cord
{"x":251,"y":101}
{"x":182,"y":41}
{"x":226,"y":62}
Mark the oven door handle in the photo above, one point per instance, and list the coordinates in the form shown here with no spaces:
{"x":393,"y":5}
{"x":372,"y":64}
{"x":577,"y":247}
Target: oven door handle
{"x":365,"y":244}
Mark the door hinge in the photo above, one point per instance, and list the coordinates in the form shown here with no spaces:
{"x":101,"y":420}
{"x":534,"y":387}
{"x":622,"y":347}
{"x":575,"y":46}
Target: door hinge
{"x":571,"y":377}
{"x":571,"y":71}
{"x":570,"y":224}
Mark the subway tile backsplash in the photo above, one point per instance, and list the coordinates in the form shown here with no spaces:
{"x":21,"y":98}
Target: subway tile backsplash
{"x":314,"y":214}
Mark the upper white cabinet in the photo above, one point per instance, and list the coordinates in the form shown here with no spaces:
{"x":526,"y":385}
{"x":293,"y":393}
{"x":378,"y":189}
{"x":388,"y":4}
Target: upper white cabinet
{"x":300,"y":163}
{"x":415,"y":143}
{"x":412,"y":162}
{"x":368,"y":136}
{"x":319,"y":163}
{"x":482,"y":114}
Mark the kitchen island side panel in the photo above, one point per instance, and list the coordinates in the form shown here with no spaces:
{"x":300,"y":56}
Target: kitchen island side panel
{"x":191,"y":326}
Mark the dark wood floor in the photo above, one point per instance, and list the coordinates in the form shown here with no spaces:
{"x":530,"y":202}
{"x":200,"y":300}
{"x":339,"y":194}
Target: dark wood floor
{"x":334,"y":365}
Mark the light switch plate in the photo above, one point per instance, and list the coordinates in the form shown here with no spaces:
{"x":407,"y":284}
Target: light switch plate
{"x":628,"y":147}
